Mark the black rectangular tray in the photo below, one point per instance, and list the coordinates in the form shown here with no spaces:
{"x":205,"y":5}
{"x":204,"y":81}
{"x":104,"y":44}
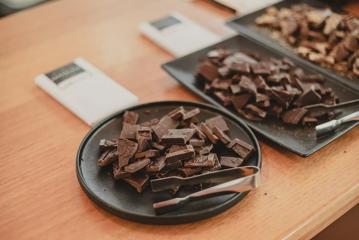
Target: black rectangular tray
{"x":246,"y":25}
{"x":297,"y":139}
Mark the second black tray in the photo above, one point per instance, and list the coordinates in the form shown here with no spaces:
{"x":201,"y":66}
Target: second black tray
{"x":297,"y":139}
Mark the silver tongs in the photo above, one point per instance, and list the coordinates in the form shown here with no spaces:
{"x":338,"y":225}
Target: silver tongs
{"x":234,"y":180}
{"x":334,"y":124}
{"x":322,"y":107}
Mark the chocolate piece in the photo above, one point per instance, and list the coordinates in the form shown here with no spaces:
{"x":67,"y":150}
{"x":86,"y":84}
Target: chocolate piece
{"x":147,"y":154}
{"x":248,"y":85}
{"x":138,"y":181}
{"x":177,"y":114}
{"x":191,"y":113}
{"x":118,"y":173}
{"x":126,"y":149}
{"x":206,"y":149}
{"x":240,"y":67}
{"x":137,"y":165}
{"x":163,"y":126}
{"x":199,"y":132}
{"x":156,"y":165}
{"x":129,"y":131}
{"x":202,"y":161}
{"x":239,"y":101}
{"x":107,"y":157}
{"x":196,"y":142}
{"x":189,"y":171}
{"x":208,"y":132}
{"x":235,"y":88}
{"x":217,"y":121}
{"x":223,"y":97}
{"x":158,"y":146}
{"x":107,"y":145}
{"x":243,"y":149}
{"x":173,"y":165}
{"x":307,"y":98}
{"x":256,"y":110}
{"x":180,"y":155}
{"x":231,"y":161}
{"x":175,"y":148}
{"x":221,"y":135}
{"x":260,"y":69}
{"x":178,"y":136}
{"x":130,"y":117}
{"x":208,"y":71}
{"x":294,"y":116}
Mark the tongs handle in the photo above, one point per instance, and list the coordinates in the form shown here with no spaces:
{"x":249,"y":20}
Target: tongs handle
{"x":316,"y":107}
{"x":243,"y":184}
{"x":334,"y":124}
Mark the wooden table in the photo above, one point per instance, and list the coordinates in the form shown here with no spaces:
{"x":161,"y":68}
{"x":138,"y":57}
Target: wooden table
{"x":40,"y":197}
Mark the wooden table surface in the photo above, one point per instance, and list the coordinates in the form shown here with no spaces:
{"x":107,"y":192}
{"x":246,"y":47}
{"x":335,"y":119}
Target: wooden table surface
{"x":40,"y":197}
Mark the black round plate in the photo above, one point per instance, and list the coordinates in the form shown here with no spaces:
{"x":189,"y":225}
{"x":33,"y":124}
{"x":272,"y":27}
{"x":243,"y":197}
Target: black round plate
{"x":120,"y":199}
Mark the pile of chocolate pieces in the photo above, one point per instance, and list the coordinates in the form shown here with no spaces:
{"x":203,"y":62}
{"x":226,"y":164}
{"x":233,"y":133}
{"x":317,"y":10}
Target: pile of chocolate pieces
{"x":178,"y":144}
{"x":320,"y":35}
{"x":259,"y":88}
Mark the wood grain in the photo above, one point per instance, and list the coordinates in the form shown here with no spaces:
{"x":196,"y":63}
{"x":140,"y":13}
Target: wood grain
{"x":40,"y":195}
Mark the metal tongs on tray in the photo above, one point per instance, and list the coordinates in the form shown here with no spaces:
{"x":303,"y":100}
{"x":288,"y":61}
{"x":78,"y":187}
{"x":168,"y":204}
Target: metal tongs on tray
{"x":330,"y":126}
{"x":233,"y":180}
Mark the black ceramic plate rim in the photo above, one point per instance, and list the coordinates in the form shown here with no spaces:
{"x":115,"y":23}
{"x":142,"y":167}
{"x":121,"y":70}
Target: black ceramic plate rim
{"x":143,"y":218}
{"x":235,"y":24}
{"x":166,"y":66}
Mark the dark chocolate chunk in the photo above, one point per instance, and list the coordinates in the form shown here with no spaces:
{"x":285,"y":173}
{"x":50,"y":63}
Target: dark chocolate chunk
{"x":177,"y":114}
{"x":217,"y":121}
{"x":208,"y":71}
{"x":189,"y":171}
{"x":260,"y":69}
{"x":221,"y":135}
{"x":137,"y":165}
{"x":107,"y":144}
{"x":231,"y":161}
{"x":173,"y":165}
{"x":118,"y":172}
{"x":192,"y":113}
{"x":126,"y":149}
{"x":208,"y":132}
{"x":199,"y":132}
{"x":202,"y":161}
{"x":307,"y":98}
{"x":243,"y":149}
{"x":147,"y":154}
{"x":138,"y":181}
{"x":240,"y":67}
{"x":235,"y":88}
{"x":157,"y":165}
{"x":223,"y":97}
{"x":294,"y":116}
{"x":129,"y":131}
{"x":180,"y":155}
{"x":248,"y":85}
{"x":158,"y":146}
{"x":163,"y":126}
{"x":256,"y":110}
{"x":196,"y":142}
{"x":239,"y":101}
{"x":130,"y":117}
{"x":206,"y":149}
{"x":107,"y":157}
{"x":178,"y":136}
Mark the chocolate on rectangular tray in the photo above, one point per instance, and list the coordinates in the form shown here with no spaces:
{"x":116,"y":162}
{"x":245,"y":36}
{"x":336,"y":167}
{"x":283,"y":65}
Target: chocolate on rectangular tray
{"x":273,"y":87}
{"x":317,"y":34}
{"x":177,"y":145}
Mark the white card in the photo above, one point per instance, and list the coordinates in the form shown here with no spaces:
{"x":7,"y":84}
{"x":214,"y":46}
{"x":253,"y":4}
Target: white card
{"x":178,"y":34}
{"x":86,"y":91}
{"x":243,"y":7}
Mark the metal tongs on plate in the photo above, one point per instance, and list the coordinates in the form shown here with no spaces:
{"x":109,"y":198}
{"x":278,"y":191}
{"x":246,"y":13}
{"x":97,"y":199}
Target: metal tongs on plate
{"x":234,"y":180}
